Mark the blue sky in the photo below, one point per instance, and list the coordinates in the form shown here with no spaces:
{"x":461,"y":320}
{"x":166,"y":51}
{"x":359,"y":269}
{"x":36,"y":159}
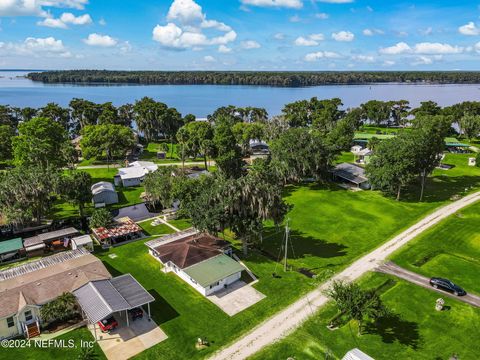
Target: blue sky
{"x":240,"y":34}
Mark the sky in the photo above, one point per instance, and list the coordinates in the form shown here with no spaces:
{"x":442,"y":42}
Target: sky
{"x":240,"y":34}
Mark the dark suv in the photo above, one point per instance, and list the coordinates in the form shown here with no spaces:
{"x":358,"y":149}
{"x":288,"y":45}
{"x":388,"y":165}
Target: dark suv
{"x":447,"y":285}
{"x":136,"y":313}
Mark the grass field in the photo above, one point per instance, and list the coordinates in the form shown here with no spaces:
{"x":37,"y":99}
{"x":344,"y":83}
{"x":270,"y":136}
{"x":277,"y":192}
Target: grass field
{"x":185,"y":315}
{"x":126,"y":196}
{"x":52,"y":352}
{"x":414,"y":330}
{"x":330,"y":227}
{"x":451,"y":249}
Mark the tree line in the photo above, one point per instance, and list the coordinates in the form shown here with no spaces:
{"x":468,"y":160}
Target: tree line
{"x":267,"y":78}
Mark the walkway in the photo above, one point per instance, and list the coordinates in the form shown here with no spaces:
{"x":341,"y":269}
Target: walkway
{"x":394,"y":269}
{"x":287,"y":320}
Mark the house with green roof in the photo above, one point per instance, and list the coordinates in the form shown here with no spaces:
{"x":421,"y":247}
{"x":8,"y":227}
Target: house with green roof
{"x":201,"y":260}
{"x":11,"y":250}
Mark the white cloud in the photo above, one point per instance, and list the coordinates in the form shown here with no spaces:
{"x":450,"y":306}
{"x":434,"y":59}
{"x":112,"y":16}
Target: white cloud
{"x":322,"y":16}
{"x":36,"y":47}
{"x":100,"y":40}
{"x":37,"y":7}
{"x":437,"y":48}
{"x":371,"y":32}
{"x":250,"y":44}
{"x":295,"y":4}
{"x":336,"y":1}
{"x":476,"y":47}
{"x":279,"y":36}
{"x":224,"y":49}
{"x":363,"y":58}
{"x":102,"y":22}
{"x":311,"y":40}
{"x":343,"y":36}
{"x":469,"y":29}
{"x":185,"y":29}
{"x":65,"y":19}
{"x":321,"y":55}
{"x":125,"y":47}
{"x":388,"y":63}
{"x":422,"y":60}
{"x":399,"y":48}
{"x":209,"y":59}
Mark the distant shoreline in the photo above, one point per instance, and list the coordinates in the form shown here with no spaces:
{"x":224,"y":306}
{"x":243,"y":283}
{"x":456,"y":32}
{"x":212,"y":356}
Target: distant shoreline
{"x":253,"y":78}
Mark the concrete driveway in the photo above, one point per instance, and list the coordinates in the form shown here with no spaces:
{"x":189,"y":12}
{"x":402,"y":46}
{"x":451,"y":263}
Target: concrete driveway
{"x":128,"y":341}
{"x":394,"y":269}
{"x":237,"y":297}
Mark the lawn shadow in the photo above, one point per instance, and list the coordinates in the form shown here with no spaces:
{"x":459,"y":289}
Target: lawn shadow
{"x":113,"y":271}
{"x":441,"y":188}
{"x":161,"y":310}
{"x":392,"y":328}
{"x":301,"y":246}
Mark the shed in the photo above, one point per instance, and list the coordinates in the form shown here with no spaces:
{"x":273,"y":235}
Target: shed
{"x":104,"y":192}
{"x":58,"y":239}
{"x":11,"y":250}
{"x":356,"y":354}
{"x":352,"y":174}
{"x":134,"y":174}
{"x":84,"y":241}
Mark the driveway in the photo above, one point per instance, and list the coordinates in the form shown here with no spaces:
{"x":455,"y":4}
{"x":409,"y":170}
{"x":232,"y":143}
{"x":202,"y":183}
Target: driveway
{"x":128,"y":341}
{"x":286,"y":321}
{"x":136,"y":212}
{"x":394,"y":269}
{"x":237,"y":297}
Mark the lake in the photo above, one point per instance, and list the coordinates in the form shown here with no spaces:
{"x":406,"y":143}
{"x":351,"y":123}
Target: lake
{"x":202,"y":100}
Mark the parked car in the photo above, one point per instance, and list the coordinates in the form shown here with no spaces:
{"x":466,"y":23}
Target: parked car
{"x":108,"y":324}
{"x":136,"y":313}
{"x":447,"y":285}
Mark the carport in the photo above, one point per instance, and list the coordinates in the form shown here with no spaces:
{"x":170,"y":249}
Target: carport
{"x":102,"y":298}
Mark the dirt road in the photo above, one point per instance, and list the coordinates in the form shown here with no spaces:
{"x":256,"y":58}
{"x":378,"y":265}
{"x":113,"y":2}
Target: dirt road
{"x":394,"y":269}
{"x":287,"y":320}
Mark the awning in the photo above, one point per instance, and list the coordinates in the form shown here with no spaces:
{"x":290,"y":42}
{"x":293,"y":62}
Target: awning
{"x":100,"y":299}
{"x":35,"y":247}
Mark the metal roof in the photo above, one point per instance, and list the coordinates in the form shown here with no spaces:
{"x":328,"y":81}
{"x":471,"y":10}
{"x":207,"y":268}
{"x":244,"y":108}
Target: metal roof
{"x":210,"y":271}
{"x":356,"y":354}
{"x":101,"y":298}
{"x":11,"y":245}
{"x":82,"y":240}
{"x":101,"y":187}
{"x":350,"y":172}
{"x":52,"y":235}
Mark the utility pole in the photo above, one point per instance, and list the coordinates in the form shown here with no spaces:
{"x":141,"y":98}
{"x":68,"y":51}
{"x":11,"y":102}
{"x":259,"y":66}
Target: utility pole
{"x":287,"y":232}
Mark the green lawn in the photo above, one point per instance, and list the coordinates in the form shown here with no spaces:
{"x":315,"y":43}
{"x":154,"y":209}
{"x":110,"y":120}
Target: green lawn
{"x":150,"y":153}
{"x":185,"y":315}
{"x":52,"y":352}
{"x":126,"y":195}
{"x":451,"y":249}
{"x":157,"y":230}
{"x":414,"y":330}
{"x":330,"y":226}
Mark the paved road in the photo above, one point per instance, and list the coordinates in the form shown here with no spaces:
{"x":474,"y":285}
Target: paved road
{"x":159,"y":164}
{"x":394,"y":269}
{"x":290,"y":318}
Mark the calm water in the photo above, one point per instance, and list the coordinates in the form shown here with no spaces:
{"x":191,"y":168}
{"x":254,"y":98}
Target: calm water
{"x":202,"y":100}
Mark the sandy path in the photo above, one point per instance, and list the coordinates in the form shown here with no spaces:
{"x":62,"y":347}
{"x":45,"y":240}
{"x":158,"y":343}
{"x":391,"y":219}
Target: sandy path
{"x":287,"y":320}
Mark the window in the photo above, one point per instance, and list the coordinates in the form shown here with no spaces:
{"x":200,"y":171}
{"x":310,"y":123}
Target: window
{"x":10,"y":322}
{"x":28,"y":315}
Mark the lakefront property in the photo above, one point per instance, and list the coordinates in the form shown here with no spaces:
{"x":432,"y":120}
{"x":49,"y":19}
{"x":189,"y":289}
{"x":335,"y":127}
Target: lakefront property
{"x":239,"y":180}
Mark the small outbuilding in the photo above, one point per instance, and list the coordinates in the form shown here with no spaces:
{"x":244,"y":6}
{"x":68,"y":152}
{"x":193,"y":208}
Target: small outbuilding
{"x":356,"y":354}
{"x":351,"y":174}
{"x":11,"y":250}
{"x":104,"y":192}
{"x":49,"y":241}
{"x":124,"y":230}
{"x":83,"y":241}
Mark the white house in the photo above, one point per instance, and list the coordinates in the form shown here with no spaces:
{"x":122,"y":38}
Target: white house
{"x":200,"y":259}
{"x":134,"y":174}
{"x":83,"y":241}
{"x":104,"y":192}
